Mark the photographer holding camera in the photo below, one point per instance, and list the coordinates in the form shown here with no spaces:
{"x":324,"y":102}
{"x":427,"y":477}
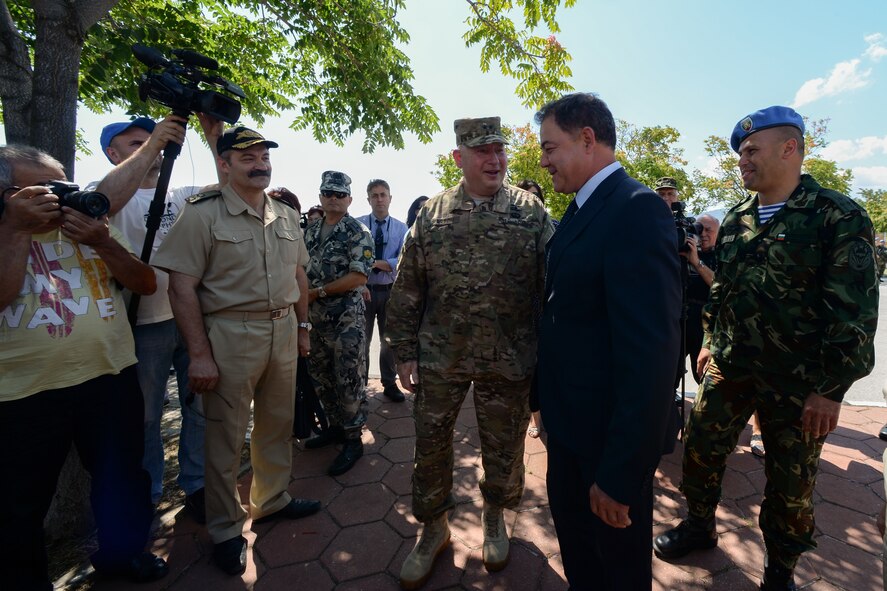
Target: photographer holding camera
{"x":134,"y":147}
{"x":67,"y":372}
{"x":702,"y":264}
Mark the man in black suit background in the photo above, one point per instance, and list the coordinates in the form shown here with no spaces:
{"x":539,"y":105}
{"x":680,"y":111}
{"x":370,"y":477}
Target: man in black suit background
{"x":609,"y":338}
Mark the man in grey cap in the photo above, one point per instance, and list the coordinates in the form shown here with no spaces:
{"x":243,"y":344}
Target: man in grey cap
{"x":341,"y":257}
{"x":461,"y":314}
{"x":237,"y":286}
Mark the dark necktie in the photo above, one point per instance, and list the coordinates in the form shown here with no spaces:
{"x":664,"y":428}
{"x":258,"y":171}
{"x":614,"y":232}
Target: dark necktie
{"x":572,"y":208}
{"x":379,"y":240}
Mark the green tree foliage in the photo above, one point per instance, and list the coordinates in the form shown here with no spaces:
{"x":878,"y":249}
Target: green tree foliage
{"x":524,"y":153}
{"x":723,"y":184}
{"x":875,"y":203}
{"x":650,"y":153}
{"x":338,"y":65}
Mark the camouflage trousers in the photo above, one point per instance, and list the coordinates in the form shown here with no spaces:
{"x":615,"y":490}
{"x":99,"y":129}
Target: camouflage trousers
{"x":337,"y":364}
{"x":726,"y":400}
{"x":502,"y":411}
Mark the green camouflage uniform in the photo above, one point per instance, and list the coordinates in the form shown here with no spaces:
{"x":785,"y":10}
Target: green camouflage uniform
{"x":463,"y":307}
{"x":793,"y":311}
{"x":338,"y":337}
{"x":882,"y":259}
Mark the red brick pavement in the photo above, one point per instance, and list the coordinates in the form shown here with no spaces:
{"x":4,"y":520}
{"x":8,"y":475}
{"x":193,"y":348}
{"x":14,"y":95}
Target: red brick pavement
{"x":360,"y":538}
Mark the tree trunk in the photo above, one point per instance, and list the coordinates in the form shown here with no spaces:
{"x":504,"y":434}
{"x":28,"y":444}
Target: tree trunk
{"x":57,"y":52}
{"x":15,"y":81}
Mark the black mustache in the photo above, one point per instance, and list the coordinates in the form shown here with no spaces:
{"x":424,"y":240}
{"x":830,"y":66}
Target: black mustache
{"x":254,"y":173}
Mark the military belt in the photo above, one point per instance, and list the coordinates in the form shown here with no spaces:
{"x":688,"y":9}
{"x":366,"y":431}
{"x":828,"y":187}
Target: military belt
{"x":246,"y":316}
{"x":379,"y":286}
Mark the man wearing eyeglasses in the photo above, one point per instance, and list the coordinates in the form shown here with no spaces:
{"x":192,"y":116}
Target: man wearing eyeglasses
{"x":341,"y":258}
{"x":388,"y":234}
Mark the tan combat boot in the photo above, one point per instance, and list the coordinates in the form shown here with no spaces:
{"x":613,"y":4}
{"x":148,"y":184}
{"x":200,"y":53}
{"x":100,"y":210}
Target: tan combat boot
{"x":496,"y":543}
{"x":417,"y":567}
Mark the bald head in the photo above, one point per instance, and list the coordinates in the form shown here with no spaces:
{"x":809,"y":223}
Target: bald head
{"x":710,"y":226}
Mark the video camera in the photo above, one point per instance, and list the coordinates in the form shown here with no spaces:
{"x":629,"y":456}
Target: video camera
{"x":178,"y":85}
{"x":686,"y":226}
{"x":91,"y":203}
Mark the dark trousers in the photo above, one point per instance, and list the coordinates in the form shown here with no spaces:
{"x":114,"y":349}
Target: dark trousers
{"x":596,"y":556}
{"x":104,"y":418}
{"x":375,"y":309}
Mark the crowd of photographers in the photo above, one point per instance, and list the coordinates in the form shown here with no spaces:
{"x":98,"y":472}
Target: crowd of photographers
{"x":241,"y":286}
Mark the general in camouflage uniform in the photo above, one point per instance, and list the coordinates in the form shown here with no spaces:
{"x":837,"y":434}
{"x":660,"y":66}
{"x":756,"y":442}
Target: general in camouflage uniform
{"x":462,"y":312}
{"x":790,"y":326}
{"x":341,"y":256}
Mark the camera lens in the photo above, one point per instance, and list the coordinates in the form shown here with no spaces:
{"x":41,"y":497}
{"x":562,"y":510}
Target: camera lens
{"x":92,"y":203}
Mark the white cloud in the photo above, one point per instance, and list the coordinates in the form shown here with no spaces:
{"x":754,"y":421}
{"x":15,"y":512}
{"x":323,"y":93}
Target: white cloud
{"x":858,"y":149}
{"x":870,"y":177}
{"x":877,"y":48}
{"x":844,"y":76}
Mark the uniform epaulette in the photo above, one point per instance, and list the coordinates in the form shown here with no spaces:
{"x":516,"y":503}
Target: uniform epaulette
{"x":748,"y":198}
{"x":201,"y":196}
{"x":844,"y":203}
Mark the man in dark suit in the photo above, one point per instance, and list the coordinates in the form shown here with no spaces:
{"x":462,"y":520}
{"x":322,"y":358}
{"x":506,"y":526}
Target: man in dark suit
{"x":609,"y":338}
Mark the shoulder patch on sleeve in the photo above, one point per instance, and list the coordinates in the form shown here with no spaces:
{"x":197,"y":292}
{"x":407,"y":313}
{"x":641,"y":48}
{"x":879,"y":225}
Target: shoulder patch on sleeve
{"x":201,"y":196}
{"x":860,"y":257}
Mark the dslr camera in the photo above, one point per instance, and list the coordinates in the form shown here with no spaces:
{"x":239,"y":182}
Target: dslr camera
{"x":91,"y":203}
{"x":685,"y":225}
{"x":178,"y":84}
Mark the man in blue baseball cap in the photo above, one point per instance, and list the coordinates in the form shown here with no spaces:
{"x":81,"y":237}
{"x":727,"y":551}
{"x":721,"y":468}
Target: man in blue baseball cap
{"x":789,"y":327}
{"x":134,"y":147}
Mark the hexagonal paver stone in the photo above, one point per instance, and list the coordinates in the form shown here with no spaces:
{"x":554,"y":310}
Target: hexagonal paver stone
{"x":400,"y":450}
{"x":401,"y":427}
{"x":401,"y":519}
{"x":400,"y":478}
{"x":370,"y":468}
{"x":361,"y":504}
{"x":299,"y":540}
{"x":310,"y":575}
{"x":361,"y":551}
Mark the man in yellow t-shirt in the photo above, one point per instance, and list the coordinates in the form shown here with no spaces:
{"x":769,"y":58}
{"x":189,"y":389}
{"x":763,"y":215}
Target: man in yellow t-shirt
{"x":67,"y":375}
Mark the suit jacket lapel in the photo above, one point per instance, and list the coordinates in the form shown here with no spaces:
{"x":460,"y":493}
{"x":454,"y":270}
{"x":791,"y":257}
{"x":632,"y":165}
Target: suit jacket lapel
{"x":570,"y":228}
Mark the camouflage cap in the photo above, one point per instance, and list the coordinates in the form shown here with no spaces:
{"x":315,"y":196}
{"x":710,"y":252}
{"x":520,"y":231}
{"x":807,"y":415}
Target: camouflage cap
{"x":774,"y":116}
{"x":478,"y":132}
{"x":666,"y":182}
{"x":241,"y":138}
{"x":333,"y":180}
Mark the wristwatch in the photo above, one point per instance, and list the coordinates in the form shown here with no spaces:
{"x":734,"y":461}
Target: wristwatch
{"x":321,"y":292}
{"x":306,"y":325}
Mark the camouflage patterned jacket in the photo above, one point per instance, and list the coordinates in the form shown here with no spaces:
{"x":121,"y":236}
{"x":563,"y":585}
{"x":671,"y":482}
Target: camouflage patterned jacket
{"x":798,"y":296}
{"x":349,"y":247}
{"x":468,"y":285}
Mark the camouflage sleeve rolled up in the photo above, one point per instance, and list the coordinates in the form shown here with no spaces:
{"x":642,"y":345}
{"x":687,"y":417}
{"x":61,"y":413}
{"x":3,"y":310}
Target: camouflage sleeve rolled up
{"x":407,"y":300}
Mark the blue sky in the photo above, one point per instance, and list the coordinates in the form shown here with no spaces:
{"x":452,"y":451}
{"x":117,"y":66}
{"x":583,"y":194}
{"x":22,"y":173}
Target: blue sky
{"x":697,"y":66}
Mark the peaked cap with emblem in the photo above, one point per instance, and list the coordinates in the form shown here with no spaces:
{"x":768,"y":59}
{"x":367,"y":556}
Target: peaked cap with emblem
{"x":666,"y":182}
{"x":774,"y":116}
{"x":478,"y":132}
{"x":241,"y":138}
{"x":333,"y":180}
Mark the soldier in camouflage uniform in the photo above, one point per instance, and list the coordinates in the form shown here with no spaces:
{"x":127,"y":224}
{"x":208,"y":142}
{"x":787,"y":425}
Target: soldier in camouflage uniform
{"x":882,"y":257}
{"x":461,"y":312}
{"x":788,"y":328}
{"x":341,"y":251}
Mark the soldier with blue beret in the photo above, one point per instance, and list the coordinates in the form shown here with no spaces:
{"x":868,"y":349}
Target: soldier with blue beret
{"x":788,"y":328}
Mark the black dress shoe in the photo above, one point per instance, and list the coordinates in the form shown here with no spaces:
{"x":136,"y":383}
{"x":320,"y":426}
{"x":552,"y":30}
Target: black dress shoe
{"x":328,"y":436}
{"x":882,"y":434}
{"x":778,"y":578}
{"x":685,"y":538}
{"x":351,"y":452}
{"x":295,"y":509}
{"x":230,"y":555}
{"x":195,"y":505}
{"x":393,"y":393}
{"x":144,"y":568}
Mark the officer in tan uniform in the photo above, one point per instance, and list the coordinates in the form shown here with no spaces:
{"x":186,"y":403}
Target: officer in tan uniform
{"x":461,"y":313}
{"x":236,"y":260}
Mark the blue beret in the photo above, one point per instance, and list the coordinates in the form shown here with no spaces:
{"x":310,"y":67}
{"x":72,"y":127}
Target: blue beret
{"x":109,"y":132}
{"x":764,"y":119}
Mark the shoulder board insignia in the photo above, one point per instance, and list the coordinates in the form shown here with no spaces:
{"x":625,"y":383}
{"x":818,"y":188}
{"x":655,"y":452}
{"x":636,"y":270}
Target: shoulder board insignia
{"x":201,"y":196}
